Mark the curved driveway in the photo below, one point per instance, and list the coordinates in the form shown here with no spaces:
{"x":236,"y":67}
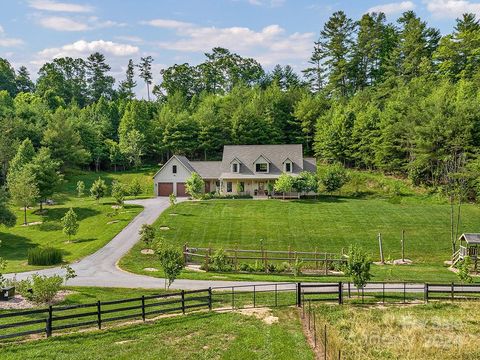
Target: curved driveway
{"x":100,"y":269}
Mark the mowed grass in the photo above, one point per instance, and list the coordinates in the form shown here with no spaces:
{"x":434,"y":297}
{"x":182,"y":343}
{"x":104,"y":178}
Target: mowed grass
{"x":99,"y":223}
{"x":328,"y":224}
{"x":202,"y":335}
{"x":432,"y":331}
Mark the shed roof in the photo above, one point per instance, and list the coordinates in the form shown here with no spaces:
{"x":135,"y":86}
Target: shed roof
{"x":471,"y":238}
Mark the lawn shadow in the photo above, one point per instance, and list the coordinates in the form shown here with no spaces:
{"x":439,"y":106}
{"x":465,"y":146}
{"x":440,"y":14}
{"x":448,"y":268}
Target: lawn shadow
{"x":15,"y":247}
{"x":49,"y":226}
{"x":79,"y":241}
{"x":323,"y":199}
{"x":82,"y":213}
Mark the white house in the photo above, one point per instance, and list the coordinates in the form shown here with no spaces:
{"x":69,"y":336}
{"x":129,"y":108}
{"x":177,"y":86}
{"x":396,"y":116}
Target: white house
{"x":244,"y":169}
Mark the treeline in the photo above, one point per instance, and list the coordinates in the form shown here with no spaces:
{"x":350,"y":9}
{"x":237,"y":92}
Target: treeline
{"x":397,"y":97}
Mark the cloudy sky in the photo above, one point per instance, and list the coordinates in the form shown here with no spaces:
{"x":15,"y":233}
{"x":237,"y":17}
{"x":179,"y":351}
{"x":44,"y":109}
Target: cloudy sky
{"x":177,"y":31}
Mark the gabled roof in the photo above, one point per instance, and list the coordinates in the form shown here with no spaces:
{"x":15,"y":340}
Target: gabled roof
{"x":274,"y":154}
{"x":182,"y":159}
{"x":471,"y":238}
{"x":207,"y":169}
{"x":262,"y":156}
{"x":235,"y":159}
{"x":287,"y":159}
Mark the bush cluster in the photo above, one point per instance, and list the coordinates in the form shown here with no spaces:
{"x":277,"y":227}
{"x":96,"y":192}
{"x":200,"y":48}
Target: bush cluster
{"x":44,"y":256}
{"x":40,"y":289}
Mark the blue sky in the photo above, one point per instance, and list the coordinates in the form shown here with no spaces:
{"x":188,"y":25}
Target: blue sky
{"x":272,"y":31}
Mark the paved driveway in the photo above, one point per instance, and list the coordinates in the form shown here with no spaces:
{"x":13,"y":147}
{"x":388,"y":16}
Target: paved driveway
{"x":99,"y":269}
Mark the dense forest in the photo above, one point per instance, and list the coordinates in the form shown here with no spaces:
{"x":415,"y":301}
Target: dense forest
{"x":396,"y":97}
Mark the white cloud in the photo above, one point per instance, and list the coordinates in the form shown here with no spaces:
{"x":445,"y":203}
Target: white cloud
{"x":6,"y":41}
{"x":451,"y":8}
{"x":167,"y":23}
{"x":271,"y":44}
{"x":62,"y":23}
{"x":392,"y":8}
{"x":59,"y":23}
{"x":50,"y":5}
{"x":83,"y":48}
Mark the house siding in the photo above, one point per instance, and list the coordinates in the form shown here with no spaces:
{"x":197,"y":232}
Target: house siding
{"x":166,"y":175}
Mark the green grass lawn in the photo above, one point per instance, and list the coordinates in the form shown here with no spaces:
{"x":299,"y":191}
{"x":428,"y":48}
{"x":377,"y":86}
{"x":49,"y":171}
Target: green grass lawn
{"x":98,"y":221}
{"x":329,"y":224}
{"x":200,"y":335}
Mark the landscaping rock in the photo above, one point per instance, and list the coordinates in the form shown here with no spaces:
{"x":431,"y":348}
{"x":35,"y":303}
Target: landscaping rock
{"x":113,"y":222}
{"x":402,"y":262}
{"x":33,"y":223}
{"x":148,"y":251}
{"x":150,"y":269}
{"x":19,"y":302}
{"x":164,"y":228}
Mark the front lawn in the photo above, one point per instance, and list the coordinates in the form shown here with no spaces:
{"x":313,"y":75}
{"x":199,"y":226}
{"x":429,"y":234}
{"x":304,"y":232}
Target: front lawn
{"x":99,"y":223}
{"x":329,"y":224}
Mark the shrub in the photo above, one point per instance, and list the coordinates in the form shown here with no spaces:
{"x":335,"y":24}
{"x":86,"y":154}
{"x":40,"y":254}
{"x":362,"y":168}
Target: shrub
{"x":358,"y":266}
{"x":172,"y":199}
{"x":45,"y":256}
{"x":147,"y":234}
{"x":245,"y":267}
{"x":119,"y":191}
{"x":220,"y":261}
{"x":463,"y":267}
{"x":135,"y":188}
{"x":334,"y":177}
{"x":194,"y":186}
{"x":80,"y":188}
{"x":297,"y":267}
{"x":40,"y":289}
{"x":98,"y":189}
{"x":70,"y":223}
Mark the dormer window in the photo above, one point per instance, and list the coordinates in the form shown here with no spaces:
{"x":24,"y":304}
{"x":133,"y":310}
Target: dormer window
{"x":235,"y":167}
{"x":261,"y":167}
{"x":288,"y":167}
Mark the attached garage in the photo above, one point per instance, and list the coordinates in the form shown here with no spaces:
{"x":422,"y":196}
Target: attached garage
{"x":181,"y":190}
{"x":165,"y":188}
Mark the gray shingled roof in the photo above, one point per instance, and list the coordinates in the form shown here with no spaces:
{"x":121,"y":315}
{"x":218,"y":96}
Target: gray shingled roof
{"x":185,"y":162}
{"x":207,"y":169}
{"x":471,"y":238}
{"x":247,"y":154}
{"x":310,"y":164}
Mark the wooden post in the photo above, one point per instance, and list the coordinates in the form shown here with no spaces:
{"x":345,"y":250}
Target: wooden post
{"x":99,"y":315}
{"x":299,"y":294}
{"x":183,"y":302}
{"x":403,"y":245}
{"x":143,"y":307}
{"x":236,"y":258}
{"x":290,"y":254}
{"x":326,"y":264}
{"x":48,"y":328}
{"x":316,"y":259}
{"x":382,"y":260}
{"x":210,"y":298}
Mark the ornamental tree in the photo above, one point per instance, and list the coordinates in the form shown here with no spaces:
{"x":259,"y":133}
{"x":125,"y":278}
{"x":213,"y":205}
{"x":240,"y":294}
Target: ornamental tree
{"x":70,"y":223}
{"x":98,"y":189}
{"x":284,"y":184}
{"x":194,"y":185}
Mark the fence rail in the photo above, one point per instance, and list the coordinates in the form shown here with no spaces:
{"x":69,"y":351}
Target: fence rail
{"x":56,"y":318}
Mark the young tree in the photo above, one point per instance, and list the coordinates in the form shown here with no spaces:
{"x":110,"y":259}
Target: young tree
{"x":80,"y":188}
{"x":119,"y":191}
{"x":98,"y":189}
{"x":171,"y":262}
{"x":147,"y":234}
{"x":7,"y":216}
{"x":126,"y":86}
{"x":145,"y":68}
{"x":70,"y":223}
{"x":334,"y":177}
{"x":135,"y":188}
{"x":194,"y":185}
{"x":306,"y":182}
{"x":172,"y":199}
{"x":463,"y":267}
{"x":23,"y":81}
{"x":24,"y":190}
{"x":284,"y":184}
{"x":358,"y":266}
{"x":114,"y":153}
{"x":24,"y":156}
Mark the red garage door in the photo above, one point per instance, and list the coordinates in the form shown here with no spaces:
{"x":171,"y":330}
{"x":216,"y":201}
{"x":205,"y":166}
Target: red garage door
{"x":165,"y":189}
{"x":181,"y":189}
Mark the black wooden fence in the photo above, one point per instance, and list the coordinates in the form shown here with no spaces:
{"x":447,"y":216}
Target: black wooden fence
{"x":56,"y":318}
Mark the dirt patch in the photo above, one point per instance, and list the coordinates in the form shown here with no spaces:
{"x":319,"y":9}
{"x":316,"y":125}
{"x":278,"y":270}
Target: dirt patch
{"x":113,"y":222}
{"x":193,"y":267}
{"x":117,"y":207}
{"x":123,"y":342}
{"x":402,"y":262}
{"x":264,"y":314}
{"x":33,"y":223}
{"x":19,"y":302}
{"x":148,"y":251}
{"x":150,"y":269}
{"x":309,"y":335}
{"x":164,"y":228}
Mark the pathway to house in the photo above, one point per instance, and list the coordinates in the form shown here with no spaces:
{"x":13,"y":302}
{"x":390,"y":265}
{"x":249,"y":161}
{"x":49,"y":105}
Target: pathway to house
{"x":100,"y":269}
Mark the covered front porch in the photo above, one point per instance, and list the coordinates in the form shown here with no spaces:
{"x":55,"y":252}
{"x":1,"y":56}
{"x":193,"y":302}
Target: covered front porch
{"x":252,"y":187}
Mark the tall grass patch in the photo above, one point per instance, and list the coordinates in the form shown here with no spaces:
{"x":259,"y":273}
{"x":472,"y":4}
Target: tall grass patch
{"x":44,"y":256}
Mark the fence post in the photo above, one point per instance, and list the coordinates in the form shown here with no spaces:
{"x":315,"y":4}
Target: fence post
{"x":254,"y":297}
{"x":143,"y":307}
{"x":299,"y":294}
{"x":349,"y":294}
{"x":425,"y":293}
{"x":183,"y":301}
{"x":363,"y":294}
{"x":325,"y":342}
{"x":233,"y":298}
{"x":340,"y":293}
{"x":99,"y":315}
{"x":48,"y":328}
{"x":453,"y":291}
{"x":314,"y":330}
{"x":276,"y":296}
{"x":210,"y":298}
{"x":383,"y":292}
{"x":404,"y":292}
{"x":309,"y":312}
{"x":326,"y":264}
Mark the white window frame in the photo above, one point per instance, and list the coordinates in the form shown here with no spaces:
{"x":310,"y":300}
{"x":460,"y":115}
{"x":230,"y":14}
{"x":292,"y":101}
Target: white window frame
{"x":238,"y":167}
{"x":262,"y":163}
{"x":285,"y":166}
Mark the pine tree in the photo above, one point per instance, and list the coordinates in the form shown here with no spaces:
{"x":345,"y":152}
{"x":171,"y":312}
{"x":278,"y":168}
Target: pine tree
{"x":100,"y":84}
{"x":126,"y":86}
{"x":23,"y":81}
{"x":315,"y":74}
{"x":145,"y":67}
